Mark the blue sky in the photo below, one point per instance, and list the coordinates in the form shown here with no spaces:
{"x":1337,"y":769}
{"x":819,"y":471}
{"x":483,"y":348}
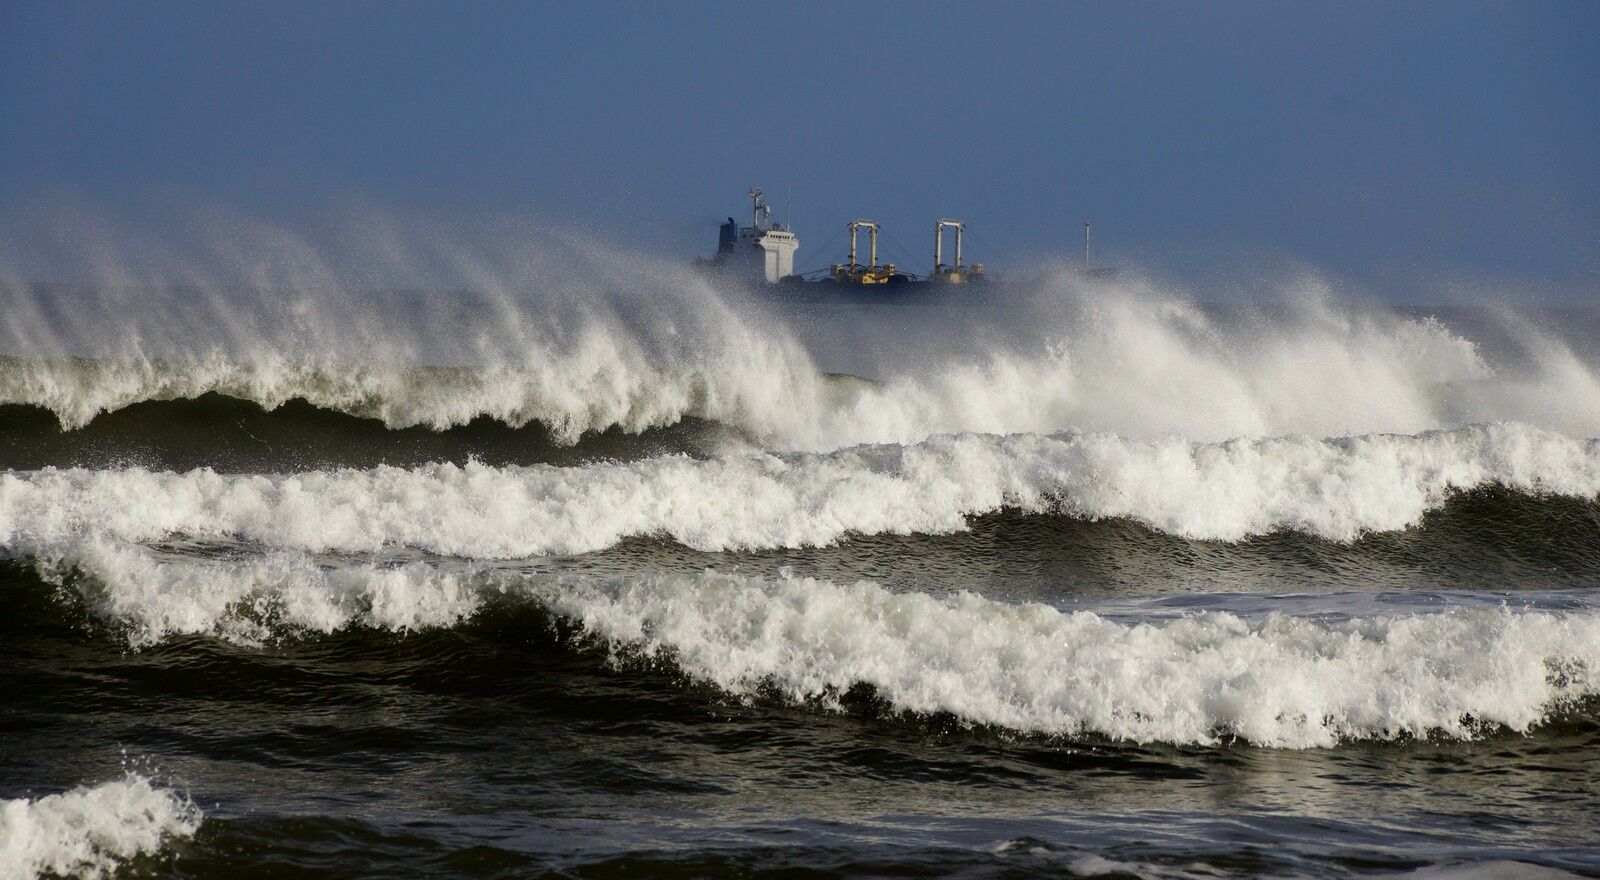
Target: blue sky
{"x":1395,"y":144}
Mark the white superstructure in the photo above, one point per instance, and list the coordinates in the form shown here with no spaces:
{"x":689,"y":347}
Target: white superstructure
{"x":764,"y":250}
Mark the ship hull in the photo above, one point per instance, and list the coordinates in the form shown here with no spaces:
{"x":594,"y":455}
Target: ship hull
{"x":895,"y":293}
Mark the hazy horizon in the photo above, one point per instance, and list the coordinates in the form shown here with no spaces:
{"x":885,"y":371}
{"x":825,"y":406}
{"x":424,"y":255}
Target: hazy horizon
{"x":1412,"y":155}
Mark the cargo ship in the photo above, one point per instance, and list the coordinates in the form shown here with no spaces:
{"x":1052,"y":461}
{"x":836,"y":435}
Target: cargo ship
{"x":762,"y":253}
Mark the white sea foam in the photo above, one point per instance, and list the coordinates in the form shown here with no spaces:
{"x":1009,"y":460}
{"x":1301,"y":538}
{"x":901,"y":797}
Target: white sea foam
{"x":1271,"y":679}
{"x":1278,"y":681}
{"x":254,"y":599}
{"x":1335,"y":489}
{"x":90,"y":831}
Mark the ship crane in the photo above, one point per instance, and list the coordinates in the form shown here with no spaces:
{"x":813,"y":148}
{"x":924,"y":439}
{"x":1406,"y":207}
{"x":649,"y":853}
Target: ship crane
{"x":764,"y":251}
{"x":956,"y":274}
{"x":855,"y":273}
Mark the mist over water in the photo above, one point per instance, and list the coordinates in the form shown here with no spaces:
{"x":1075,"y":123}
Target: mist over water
{"x":577,"y":335}
{"x":596,"y":542}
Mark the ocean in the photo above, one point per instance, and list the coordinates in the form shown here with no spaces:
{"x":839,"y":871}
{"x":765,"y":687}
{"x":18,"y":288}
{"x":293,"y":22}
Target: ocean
{"x":609,"y":571}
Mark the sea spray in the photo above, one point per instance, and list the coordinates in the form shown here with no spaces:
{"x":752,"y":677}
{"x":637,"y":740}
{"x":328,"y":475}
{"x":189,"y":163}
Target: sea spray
{"x":417,"y":323}
{"x":1131,"y":368}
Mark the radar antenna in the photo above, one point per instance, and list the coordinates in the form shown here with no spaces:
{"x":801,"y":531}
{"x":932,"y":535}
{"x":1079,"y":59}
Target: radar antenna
{"x":755,"y":196}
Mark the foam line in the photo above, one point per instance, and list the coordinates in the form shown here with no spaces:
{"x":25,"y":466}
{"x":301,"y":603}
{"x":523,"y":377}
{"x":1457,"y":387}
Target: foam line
{"x":1335,"y":489}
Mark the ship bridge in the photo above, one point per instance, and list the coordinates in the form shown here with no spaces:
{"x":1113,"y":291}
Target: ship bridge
{"x":763,"y":249}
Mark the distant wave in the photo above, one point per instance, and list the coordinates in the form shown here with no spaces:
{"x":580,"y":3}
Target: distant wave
{"x":1270,"y":679}
{"x":90,"y":831}
{"x":1333,"y":489}
{"x":1127,"y":359}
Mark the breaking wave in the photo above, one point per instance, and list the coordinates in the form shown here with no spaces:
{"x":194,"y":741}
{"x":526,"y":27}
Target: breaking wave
{"x":1272,"y":679}
{"x":90,"y":831}
{"x":653,"y":349}
{"x":1277,"y":681}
